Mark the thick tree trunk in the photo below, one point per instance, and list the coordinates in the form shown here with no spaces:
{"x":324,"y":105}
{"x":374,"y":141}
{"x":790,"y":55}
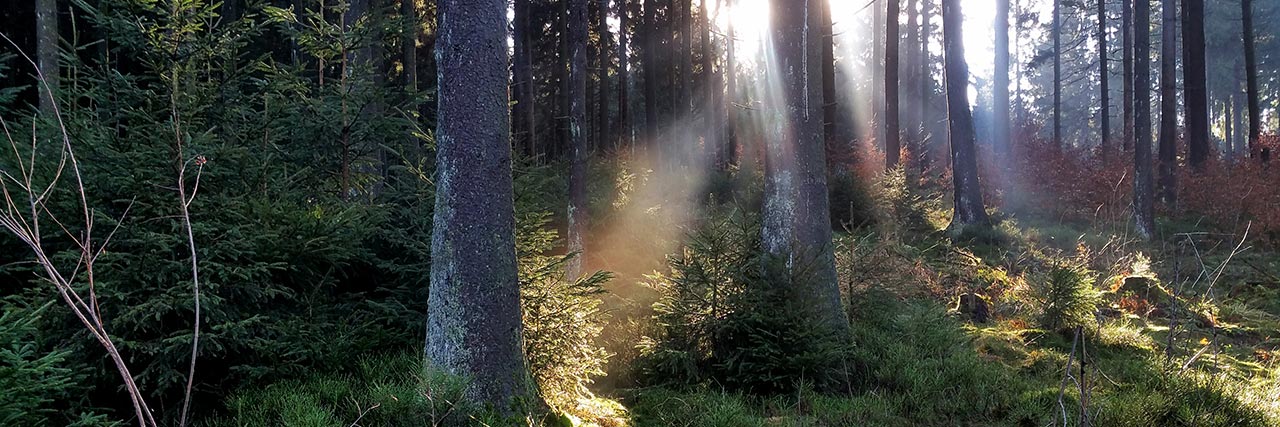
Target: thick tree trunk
{"x":1126,"y":29}
{"x":1167,"y":181}
{"x":604,"y":129}
{"x":525,"y":127}
{"x":1057,"y":73}
{"x":1251,"y":78}
{"x":969,"y":208}
{"x":1002,"y":144}
{"x":892,"y":133}
{"x":624,"y":77}
{"x":1195,"y":89}
{"x":47,"y":51}
{"x":797,"y":224}
{"x":578,"y":150}
{"x":1143,"y":191}
{"x":473,"y":320}
{"x":1104,"y":90}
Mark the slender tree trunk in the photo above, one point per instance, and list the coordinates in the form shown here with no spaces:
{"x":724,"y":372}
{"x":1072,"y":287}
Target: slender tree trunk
{"x":409,"y":56}
{"x":522,"y":117}
{"x":603,"y":127}
{"x":797,"y":224}
{"x":1231,"y":122}
{"x":969,"y":208}
{"x":892,"y":137}
{"x":563,"y":64}
{"x":911,"y":80}
{"x":1251,"y":78}
{"x":624,"y":77}
{"x":1143,"y":191}
{"x":1240,"y":140}
{"x":1126,"y":24}
{"x":1167,"y":181}
{"x":578,"y":149}
{"x":1194,"y":84}
{"x":1057,"y":73}
{"x":878,"y":65}
{"x":1002,"y":144}
{"x":650,"y":57}
{"x":473,"y":320}
{"x":47,"y":51}
{"x":685,"y":29}
{"x":731,"y":91}
{"x":711,"y":144}
{"x":829,"y":102}
{"x":1104,"y":90}
{"x":923,"y":107}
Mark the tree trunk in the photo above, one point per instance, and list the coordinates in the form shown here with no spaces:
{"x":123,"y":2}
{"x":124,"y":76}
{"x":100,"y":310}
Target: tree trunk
{"x":578,"y":150}
{"x":796,"y":219}
{"x":1167,"y":181}
{"x":685,"y":28}
{"x":523,"y":117}
{"x":1251,"y":78}
{"x":731,"y":92}
{"x":473,"y":320}
{"x":47,"y":52}
{"x":603,"y":127}
{"x":1143,"y":197}
{"x":969,"y":208}
{"x":1195,"y":89}
{"x":1003,"y":145}
{"x":892,"y":133}
{"x":624,"y":77}
{"x":651,"y":45}
{"x":1240,"y":140}
{"x":1126,"y":24}
{"x":911,"y":80}
{"x":1104,"y":91}
{"x":829,"y":102}
{"x":1057,"y":73}
{"x":711,"y":144}
{"x":923,"y":107}
{"x":878,"y":66}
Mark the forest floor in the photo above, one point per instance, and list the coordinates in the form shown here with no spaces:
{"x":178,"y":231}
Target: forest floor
{"x":923,"y":359}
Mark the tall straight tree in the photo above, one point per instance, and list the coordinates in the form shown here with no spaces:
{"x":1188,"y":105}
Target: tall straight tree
{"x":522,"y":116}
{"x":911,"y":80}
{"x":47,"y":49}
{"x":1254,"y":103}
{"x":604,"y":131}
{"x":1126,"y":29}
{"x":1195,"y":86}
{"x":1001,"y":133}
{"x":1144,"y":213}
{"x":1104,"y":84}
{"x":731,"y":91}
{"x":796,"y":219}
{"x":711,"y":91}
{"x":1167,"y":181}
{"x":578,"y":149}
{"x":651,"y":42}
{"x":829,"y":104}
{"x":969,"y":208}
{"x":878,"y":66}
{"x":473,"y":320}
{"x":925,"y":78}
{"x":624,"y":76}
{"x":892,"y":133}
{"x":1057,"y":73}
{"x":684,"y":27}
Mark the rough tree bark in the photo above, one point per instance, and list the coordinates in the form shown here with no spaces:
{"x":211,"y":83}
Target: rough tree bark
{"x":1143,"y":198}
{"x":47,"y":49}
{"x":1195,"y":89}
{"x":473,"y":320}
{"x":578,"y":150}
{"x":1167,"y":181}
{"x":796,"y":219}
{"x":892,"y":133}
{"x":1001,"y":134}
{"x":970,"y":210}
{"x":1251,"y":78}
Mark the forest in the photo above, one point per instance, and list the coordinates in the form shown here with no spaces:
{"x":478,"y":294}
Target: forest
{"x":640,"y":213}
